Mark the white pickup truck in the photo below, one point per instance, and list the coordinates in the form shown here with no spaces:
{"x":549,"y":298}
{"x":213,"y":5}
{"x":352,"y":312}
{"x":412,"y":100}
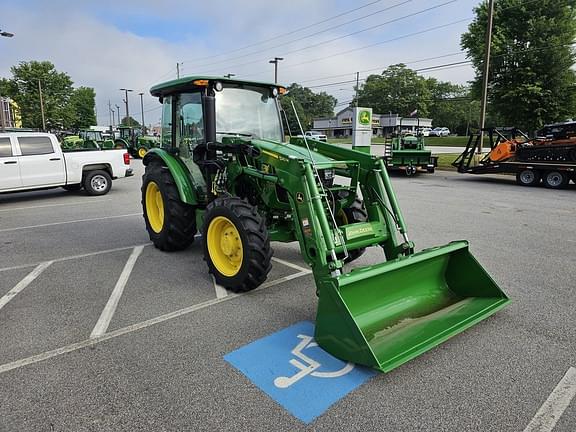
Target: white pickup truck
{"x":30,"y":160}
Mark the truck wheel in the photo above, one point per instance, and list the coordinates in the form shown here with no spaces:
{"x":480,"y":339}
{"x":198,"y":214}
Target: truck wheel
{"x":97,"y":182}
{"x":236,"y":244}
{"x":555,"y":179}
{"x":353,"y":214}
{"x":528,"y":178}
{"x":171,"y":223}
{"x":142,"y":152}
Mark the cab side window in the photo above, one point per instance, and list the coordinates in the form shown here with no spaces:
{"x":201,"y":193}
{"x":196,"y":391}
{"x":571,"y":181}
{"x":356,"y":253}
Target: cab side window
{"x":190,"y":128}
{"x":5,"y":147}
{"x":166,"y":132}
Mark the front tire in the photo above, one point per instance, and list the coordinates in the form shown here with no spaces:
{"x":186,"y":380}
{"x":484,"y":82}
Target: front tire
{"x":171,"y":223}
{"x":236,"y":244}
{"x":142,"y":152}
{"x":97,"y":182}
{"x":353,"y":214}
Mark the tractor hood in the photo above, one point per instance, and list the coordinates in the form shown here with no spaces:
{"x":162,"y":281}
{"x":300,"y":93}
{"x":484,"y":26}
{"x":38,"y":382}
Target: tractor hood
{"x":290,"y":151}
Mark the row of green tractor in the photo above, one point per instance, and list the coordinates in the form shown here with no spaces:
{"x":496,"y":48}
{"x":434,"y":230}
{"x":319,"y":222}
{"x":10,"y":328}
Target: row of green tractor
{"x":225,"y":169}
{"x":130,"y":138}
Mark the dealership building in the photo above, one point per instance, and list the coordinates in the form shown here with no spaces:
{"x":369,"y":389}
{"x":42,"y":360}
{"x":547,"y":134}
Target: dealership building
{"x":382,"y":124}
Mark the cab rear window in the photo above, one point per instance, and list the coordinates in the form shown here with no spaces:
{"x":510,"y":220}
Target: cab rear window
{"x":35,"y":145}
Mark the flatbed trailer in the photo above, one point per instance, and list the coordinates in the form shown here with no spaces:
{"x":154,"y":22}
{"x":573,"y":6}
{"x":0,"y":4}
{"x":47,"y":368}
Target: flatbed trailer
{"x":553,"y":174}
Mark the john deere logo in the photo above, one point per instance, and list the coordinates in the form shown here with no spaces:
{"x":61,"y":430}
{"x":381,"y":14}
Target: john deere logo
{"x":364,"y":118}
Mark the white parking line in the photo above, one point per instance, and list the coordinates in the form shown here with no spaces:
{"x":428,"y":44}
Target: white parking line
{"x":71,"y":257}
{"x":108,"y":311}
{"x":90,"y":201}
{"x":552,"y":409}
{"x":69,"y":222}
{"x":292,"y":265}
{"x":24,"y":283}
{"x":135,"y":327}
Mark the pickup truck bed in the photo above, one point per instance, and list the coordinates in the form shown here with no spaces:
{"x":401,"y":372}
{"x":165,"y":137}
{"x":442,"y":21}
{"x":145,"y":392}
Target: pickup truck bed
{"x":30,"y":160}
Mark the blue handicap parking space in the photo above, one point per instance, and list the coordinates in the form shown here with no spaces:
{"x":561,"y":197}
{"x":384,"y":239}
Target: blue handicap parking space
{"x":294,"y":371}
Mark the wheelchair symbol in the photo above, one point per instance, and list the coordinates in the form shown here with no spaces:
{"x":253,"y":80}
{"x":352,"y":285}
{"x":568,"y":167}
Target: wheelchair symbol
{"x":310,"y":367}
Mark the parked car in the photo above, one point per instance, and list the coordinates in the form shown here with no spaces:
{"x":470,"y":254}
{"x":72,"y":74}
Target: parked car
{"x":31,"y":160}
{"x":439,"y":132}
{"x":424,"y":131}
{"x":316,"y":135}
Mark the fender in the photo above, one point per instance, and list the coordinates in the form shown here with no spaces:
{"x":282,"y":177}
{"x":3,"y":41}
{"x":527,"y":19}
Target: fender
{"x":180,"y":174}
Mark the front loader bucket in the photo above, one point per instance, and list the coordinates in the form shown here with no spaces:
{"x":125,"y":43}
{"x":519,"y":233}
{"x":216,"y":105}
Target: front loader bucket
{"x":384,"y":315}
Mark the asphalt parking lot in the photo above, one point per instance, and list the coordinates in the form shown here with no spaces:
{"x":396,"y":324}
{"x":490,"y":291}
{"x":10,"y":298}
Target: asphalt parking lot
{"x":102,"y":332}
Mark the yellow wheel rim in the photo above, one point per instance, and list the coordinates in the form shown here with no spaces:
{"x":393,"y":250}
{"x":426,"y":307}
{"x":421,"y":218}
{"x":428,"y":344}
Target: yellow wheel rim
{"x":342,"y":217}
{"x":154,"y":207}
{"x":142,"y":152}
{"x":224,"y":246}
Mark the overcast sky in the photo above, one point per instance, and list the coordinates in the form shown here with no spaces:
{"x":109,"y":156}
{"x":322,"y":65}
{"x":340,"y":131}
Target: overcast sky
{"x":109,"y":44}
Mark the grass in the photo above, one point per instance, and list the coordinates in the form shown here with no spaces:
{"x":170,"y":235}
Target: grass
{"x":445,"y":161}
{"x":451,"y":141}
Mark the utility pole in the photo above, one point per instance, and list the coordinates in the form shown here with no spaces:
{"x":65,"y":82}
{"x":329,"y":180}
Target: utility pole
{"x":118,"y":112}
{"x":41,"y":106}
{"x":275,"y":62}
{"x":110,"y":113}
{"x":2,"y":121}
{"x":486,"y":71}
{"x":125,"y":90}
{"x":142,"y":109}
{"x":357,"y":84}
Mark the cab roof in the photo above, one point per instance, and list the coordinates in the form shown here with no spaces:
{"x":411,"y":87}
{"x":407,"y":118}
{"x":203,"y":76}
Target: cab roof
{"x":186,"y":83}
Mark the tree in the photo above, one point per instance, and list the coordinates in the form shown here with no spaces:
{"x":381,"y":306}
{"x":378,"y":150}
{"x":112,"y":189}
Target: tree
{"x":398,"y":89}
{"x":308,"y":106}
{"x":129,"y":121}
{"x":531,"y":78}
{"x":451,"y":106}
{"x":289,"y":118}
{"x":82,"y":104}
{"x":56,"y":92}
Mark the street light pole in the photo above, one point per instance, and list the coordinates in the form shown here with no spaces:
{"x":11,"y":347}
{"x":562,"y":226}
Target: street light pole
{"x":125,"y":90}
{"x":486,"y":70}
{"x":275,"y":62}
{"x":118,"y":112}
{"x":142,"y":109}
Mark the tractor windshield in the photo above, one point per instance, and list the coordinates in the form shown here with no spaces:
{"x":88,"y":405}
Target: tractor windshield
{"x":247,"y":110}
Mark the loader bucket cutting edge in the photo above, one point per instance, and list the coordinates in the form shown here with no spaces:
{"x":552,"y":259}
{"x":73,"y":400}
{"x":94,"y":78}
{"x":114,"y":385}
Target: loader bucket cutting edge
{"x":384,"y":315}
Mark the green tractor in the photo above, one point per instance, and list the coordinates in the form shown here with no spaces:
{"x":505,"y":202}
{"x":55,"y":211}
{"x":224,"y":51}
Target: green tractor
{"x":135,"y":141}
{"x":408,"y":153}
{"x":87,"y":139}
{"x":224,"y":169}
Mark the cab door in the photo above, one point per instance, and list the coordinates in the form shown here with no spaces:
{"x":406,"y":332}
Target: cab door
{"x":9,"y":168}
{"x":40,"y":163}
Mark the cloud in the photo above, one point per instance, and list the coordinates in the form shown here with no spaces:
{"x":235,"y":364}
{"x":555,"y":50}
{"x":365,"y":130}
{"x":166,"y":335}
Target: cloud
{"x":89,"y":41}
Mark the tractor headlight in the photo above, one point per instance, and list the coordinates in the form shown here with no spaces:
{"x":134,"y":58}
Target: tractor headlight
{"x":218,"y":86}
{"x":274,"y":92}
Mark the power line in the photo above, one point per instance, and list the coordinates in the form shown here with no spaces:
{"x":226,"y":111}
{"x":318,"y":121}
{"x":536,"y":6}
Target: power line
{"x":290,"y":32}
{"x":315,"y":34}
{"x":284,"y":54}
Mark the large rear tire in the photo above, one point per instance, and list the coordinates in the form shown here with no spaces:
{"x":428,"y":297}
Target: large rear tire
{"x":353,"y":214}
{"x":171,"y":223}
{"x":236,"y":244}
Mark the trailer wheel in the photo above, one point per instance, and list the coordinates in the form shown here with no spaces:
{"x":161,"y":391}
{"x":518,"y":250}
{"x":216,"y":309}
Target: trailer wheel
{"x":353,"y":214}
{"x":555,"y":179}
{"x":528,"y":178}
{"x":236,"y":244}
{"x":171,"y":223}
